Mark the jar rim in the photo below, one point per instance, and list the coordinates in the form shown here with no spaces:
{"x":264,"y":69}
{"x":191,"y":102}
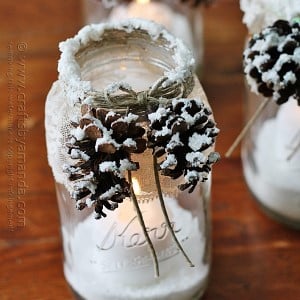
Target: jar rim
{"x":77,"y":90}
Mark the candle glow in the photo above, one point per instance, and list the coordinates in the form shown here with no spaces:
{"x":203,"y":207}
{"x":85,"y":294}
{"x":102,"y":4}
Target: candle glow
{"x":142,"y":1}
{"x":136,"y":186}
{"x":156,"y":11}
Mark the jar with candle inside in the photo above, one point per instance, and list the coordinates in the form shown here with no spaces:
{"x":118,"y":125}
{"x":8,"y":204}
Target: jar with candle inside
{"x":271,"y":150}
{"x":130,"y":139}
{"x":182,"y":18}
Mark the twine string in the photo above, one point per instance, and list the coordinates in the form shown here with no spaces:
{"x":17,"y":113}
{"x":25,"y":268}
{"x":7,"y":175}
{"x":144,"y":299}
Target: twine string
{"x":165,"y":213}
{"x":122,"y":96}
{"x":144,"y":228}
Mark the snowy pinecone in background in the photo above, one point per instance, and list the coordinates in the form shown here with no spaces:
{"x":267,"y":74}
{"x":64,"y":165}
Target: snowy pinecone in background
{"x":272,"y":61}
{"x":101,"y":145}
{"x":182,"y":132}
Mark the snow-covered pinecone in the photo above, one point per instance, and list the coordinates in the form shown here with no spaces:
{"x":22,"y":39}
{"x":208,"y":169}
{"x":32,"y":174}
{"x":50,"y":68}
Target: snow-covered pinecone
{"x":183,"y":131}
{"x":101,"y":145}
{"x":272,"y":61}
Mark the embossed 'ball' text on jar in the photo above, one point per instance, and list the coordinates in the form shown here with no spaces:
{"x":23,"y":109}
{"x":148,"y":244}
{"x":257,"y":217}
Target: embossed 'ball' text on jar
{"x":133,"y":74}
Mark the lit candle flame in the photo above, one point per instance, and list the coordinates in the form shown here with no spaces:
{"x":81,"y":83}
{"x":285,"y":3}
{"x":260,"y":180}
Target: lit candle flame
{"x":136,"y":186}
{"x":142,"y":1}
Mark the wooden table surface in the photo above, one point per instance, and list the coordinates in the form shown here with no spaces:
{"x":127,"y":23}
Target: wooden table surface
{"x":253,"y":257}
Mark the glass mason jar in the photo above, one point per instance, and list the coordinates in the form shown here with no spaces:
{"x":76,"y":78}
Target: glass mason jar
{"x":271,"y":158}
{"x":109,"y":258}
{"x":181,"y":19}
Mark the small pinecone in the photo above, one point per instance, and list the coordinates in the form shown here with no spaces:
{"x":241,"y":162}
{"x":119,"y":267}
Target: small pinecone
{"x":182,"y":132}
{"x":272,"y":62}
{"x":101,"y":145}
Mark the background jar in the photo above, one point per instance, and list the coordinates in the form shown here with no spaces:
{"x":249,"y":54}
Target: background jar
{"x":271,"y":162}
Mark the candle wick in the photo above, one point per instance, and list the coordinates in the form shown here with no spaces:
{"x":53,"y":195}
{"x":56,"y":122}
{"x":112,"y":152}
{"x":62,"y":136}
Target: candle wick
{"x":247,"y":127}
{"x":296,"y":148}
{"x":142,"y":223}
{"x":165,"y":213}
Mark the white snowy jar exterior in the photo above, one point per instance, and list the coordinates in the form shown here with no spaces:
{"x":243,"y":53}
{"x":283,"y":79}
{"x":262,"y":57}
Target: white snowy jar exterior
{"x":181,"y":19}
{"x":109,"y":258}
{"x":270,"y":163}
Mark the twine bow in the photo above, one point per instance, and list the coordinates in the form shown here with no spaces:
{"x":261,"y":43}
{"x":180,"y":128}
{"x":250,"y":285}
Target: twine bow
{"x":120,"y":96}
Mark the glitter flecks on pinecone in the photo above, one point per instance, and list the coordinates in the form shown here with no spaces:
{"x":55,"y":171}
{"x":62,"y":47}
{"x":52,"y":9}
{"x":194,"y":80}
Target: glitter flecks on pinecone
{"x":272,"y":61}
{"x":182,"y":132}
